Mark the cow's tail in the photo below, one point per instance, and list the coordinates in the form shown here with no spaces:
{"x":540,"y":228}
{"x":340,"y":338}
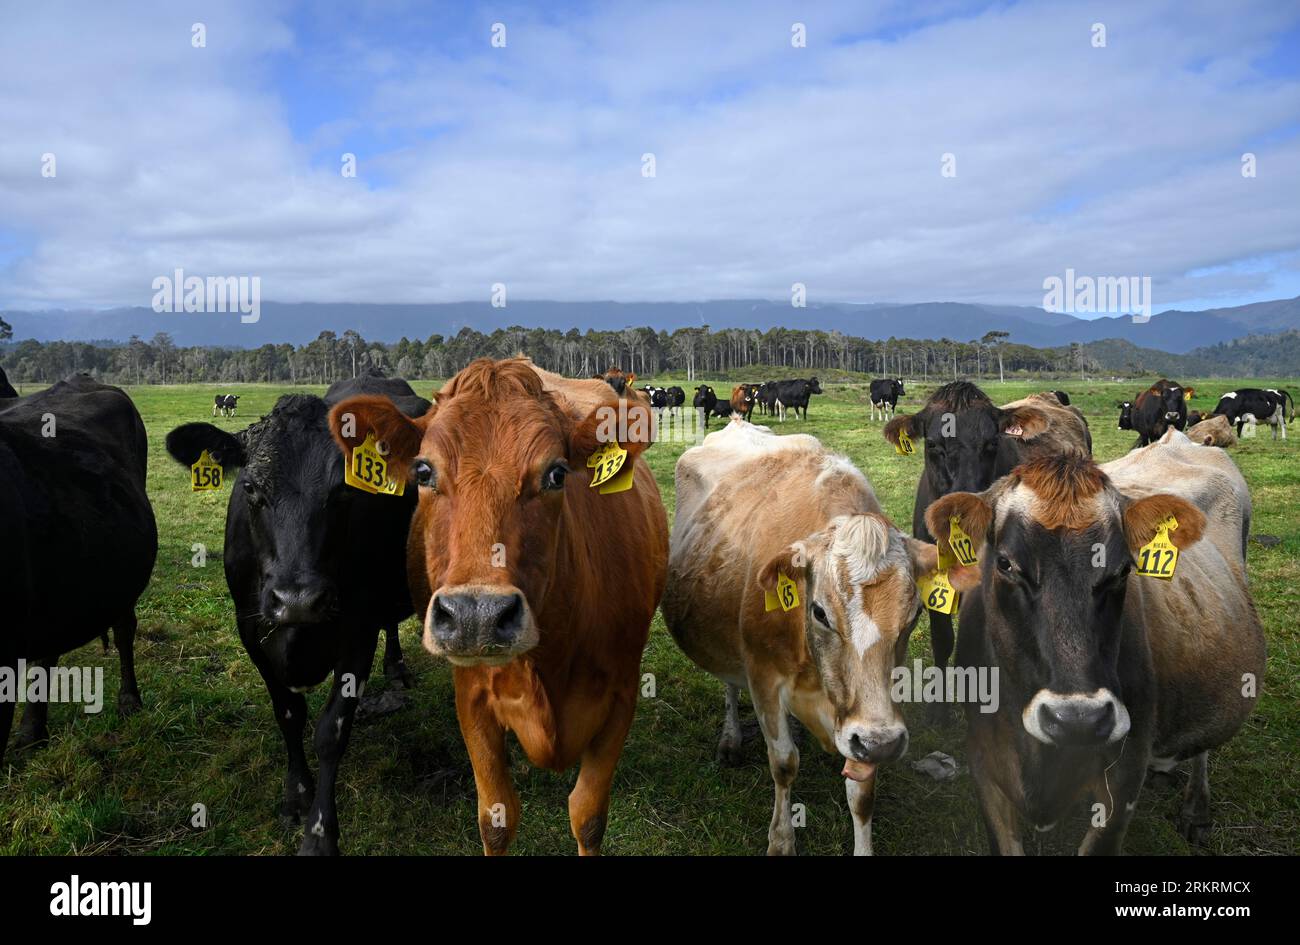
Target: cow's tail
{"x":1289,"y":415}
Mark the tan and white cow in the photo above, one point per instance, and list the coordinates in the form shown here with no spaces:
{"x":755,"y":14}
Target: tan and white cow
{"x":752,"y":506}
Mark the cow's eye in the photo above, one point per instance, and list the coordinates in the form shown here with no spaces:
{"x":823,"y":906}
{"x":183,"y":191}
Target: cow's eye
{"x":424,"y":474}
{"x":1005,"y":565}
{"x":554,"y":478}
{"x":256,"y":497}
{"x":819,"y":614}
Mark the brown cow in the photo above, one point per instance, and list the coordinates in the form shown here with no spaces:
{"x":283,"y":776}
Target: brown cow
{"x":743,"y":398}
{"x":619,"y":381}
{"x":538,"y":589}
{"x":1212,"y":431}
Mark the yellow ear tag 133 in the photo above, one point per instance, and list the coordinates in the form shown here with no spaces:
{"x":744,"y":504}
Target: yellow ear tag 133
{"x":607,"y":461}
{"x":963,"y":548}
{"x":1158,"y":557}
{"x":904,"y":446}
{"x":205,"y":475}
{"x":786,"y":595}
{"x":937,"y":593}
{"x":367,"y":470}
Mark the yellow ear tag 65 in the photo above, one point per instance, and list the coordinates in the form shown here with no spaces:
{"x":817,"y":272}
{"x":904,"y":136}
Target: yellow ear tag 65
{"x":904,"y":446}
{"x":937,"y":593}
{"x":367,"y":470}
{"x":786,"y":595}
{"x":205,"y":475}
{"x":607,"y":461}
{"x":962,"y":547}
{"x":1158,"y":557}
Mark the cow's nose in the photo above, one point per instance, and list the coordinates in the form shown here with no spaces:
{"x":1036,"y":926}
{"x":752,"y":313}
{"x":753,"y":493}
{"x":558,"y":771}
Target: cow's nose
{"x":1077,"y":721}
{"x":878,"y":747}
{"x":466,"y":623}
{"x":303,"y":605}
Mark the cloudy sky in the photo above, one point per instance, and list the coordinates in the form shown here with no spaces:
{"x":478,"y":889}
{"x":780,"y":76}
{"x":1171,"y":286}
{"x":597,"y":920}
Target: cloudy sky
{"x":773,"y":164}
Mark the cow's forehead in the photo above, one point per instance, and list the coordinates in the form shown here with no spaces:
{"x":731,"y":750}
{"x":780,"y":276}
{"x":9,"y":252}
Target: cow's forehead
{"x":1052,"y":508}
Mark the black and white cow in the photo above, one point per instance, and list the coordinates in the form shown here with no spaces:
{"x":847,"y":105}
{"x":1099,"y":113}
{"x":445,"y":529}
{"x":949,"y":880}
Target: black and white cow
{"x":1252,"y":404}
{"x":658,"y":397}
{"x":794,"y":395}
{"x":225,"y":404}
{"x":316,"y":568}
{"x":73,"y":508}
{"x":884,"y":396}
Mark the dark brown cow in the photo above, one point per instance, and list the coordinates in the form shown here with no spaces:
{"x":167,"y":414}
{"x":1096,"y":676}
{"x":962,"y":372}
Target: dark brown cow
{"x":618,"y":380}
{"x":538,"y":589}
{"x":743,"y":398}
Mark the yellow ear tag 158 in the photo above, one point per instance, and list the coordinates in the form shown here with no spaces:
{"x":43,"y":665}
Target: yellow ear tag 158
{"x":205,"y":474}
{"x":904,"y":446}
{"x":607,"y":461}
{"x":367,"y":470}
{"x":1158,"y":557}
{"x":963,"y":548}
{"x":786,"y":595}
{"x":937,"y":593}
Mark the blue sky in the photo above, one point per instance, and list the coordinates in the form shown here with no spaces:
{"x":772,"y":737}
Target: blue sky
{"x":522,"y":165}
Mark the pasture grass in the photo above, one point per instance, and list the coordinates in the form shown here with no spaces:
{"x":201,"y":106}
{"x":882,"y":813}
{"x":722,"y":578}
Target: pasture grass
{"x":206,"y":736}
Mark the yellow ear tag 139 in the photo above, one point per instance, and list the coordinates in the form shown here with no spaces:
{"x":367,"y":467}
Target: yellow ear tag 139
{"x":937,"y":593}
{"x":367,"y":470}
{"x":786,"y":595}
{"x":1158,"y":557}
{"x":963,"y":548}
{"x":205,"y":475}
{"x":607,"y":461}
{"x":904,"y":446}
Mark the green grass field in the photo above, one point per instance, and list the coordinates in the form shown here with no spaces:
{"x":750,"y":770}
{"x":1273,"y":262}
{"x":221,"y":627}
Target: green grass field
{"x":206,"y":736}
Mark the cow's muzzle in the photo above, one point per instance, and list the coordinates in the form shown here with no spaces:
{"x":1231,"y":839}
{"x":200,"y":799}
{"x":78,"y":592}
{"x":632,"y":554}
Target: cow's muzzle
{"x":472,"y":625}
{"x":1076,"y":719}
{"x":865,"y":746}
{"x":300,"y":604}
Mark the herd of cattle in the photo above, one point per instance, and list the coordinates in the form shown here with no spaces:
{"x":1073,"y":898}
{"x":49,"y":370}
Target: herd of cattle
{"x":540,"y":591}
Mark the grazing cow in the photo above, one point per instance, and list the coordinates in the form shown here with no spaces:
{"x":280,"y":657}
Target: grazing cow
{"x":1263,"y":406}
{"x":829,"y":659}
{"x":6,"y":389}
{"x":742,"y":400}
{"x":538,"y":589}
{"x":315,"y":568}
{"x":704,"y":402}
{"x":1212,"y":431}
{"x":73,"y":505}
{"x":794,"y":395}
{"x":1161,"y":407}
{"x":615,"y":378}
{"x":225,"y":404}
{"x":1103,"y":671}
{"x":884,"y":396}
{"x":969,"y":442}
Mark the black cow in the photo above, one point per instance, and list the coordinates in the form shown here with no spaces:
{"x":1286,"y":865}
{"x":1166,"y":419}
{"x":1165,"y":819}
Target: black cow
{"x":6,"y":389}
{"x":73,"y":508}
{"x":1125,"y":414}
{"x":794,"y":395}
{"x":1264,"y":406}
{"x":704,"y":402}
{"x":676,"y":399}
{"x":884,"y":395}
{"x":767,"y":397}
{"x":315,"y":568}
{"x":1158,"y":408}
{"x":225,"y":404}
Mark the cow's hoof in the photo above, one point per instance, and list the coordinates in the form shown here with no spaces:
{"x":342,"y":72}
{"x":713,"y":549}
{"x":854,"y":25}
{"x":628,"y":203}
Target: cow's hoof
{"x":314,"y":845}
{"x":731,"y":753}
{"x":780,"y":847}
{"x":1195,"y":830}
{"x":30,"y":741}
{"x":128,"y":704}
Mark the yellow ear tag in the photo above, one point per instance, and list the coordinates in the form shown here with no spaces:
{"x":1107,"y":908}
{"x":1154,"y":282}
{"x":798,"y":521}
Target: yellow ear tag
{"x":937,"y":593}
{"x":1158,"y":557}
{"x":367,"y":470}
{"x":621,"y":482}
{"x":786,"y":595}
{"x":904,"y":446}
{"x":205,"y":475}
{"x":607,"y":461}
{"x":962,"y":547}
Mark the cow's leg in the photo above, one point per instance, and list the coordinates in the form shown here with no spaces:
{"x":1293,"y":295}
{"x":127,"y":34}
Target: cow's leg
{"x":862,"y":799}
{"x":1194,"y":821}
{"x":320,"y":835}
{"x":730,"y":747}
{"x":485,"y":739}
{"x":782,"y":759}
{"x":395,"y":671}
{"x":34,"y":729}
{"x":941,"y":645}
{"x":128,"y":694}
{"x":290,"y":710}
{"x":1001,"y":820}
{"x":589,"y":799}
{"x":6,"y":711}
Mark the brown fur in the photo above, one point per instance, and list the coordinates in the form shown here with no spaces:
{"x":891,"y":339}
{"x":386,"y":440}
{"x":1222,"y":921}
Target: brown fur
{"x":1213,"y":431}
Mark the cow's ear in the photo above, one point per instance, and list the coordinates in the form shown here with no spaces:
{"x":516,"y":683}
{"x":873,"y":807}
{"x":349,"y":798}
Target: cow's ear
{"x":791,"y":561}
{"x":1143,"y":517}
{"x":186,"y":443}
{"x":974,"y":514}
{"x":924,"y":557}
{"x":631,"y":379}
{"x":914,"y":424}
{"x":1189,"y":393}
{"x":353,"y":419}
{"x":629,"y":423}
{"x":1025,"y":421}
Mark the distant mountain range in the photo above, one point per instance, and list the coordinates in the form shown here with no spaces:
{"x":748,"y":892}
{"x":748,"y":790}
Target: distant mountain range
{"x":1175,"y":332}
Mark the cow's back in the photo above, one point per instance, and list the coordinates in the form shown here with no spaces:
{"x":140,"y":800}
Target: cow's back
{"x":1067,"y":430}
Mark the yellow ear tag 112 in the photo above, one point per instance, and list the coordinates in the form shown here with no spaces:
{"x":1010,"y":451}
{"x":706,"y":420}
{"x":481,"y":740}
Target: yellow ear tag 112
{"x":367,"y":470}
{"x":963,"y":548}
{"x":607,"y":461}
{"x":904,"y":445}
{"x":786,"y":595}
{"x":1158,"y":557}
{"x":205,"y":474}
{"x":937,"y":593}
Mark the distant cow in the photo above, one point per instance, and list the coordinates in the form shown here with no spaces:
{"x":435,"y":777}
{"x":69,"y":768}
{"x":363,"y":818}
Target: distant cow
{"x":537,"y":588}
{"x":1212,"y":431}
{"x":829,"y":659}
{"x":704,"y":402}
{"x":6,"y":389}
{"x":676,"y":398}
{"x":225,"y":404}
{"x":1161,"y":407}
{"x":1264,"y":406}
{"x":1103,"y":671}
{"x":970,"y":442}
{"x":742,"y":399}
{"x":884,"y":396}
{"x":794,"y":395}
{"x":79,"y":534}
{"x":615,"y":378}
{"x":766,"y":397}
{"x":658,"y":397}
{"x":316,"y":568}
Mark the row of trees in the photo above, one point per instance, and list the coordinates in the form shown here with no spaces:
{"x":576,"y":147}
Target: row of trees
{"x":695,"y":352}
